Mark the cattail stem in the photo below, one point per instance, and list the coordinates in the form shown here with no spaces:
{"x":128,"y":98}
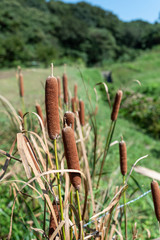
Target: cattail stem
{"x":79,"y":214}
{"x":24,"y":110}
{"x":59,"y":187}
{"x":108,"y":140}
{"x":125,"y":210}
{"x":71,"y":201}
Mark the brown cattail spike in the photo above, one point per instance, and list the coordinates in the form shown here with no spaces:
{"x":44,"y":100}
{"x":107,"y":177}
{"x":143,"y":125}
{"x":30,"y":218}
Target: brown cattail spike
{"x":51,"y":101}
{"x":156,"y":198}
{"x":21,"y":86}
{"x":39,"y":112}
{"x":75,"y":91}
{"x":123,"y":157}
{"x":71,"y":155}
{"x":59,"y":86}
{"x":20,"y":113}
{"x":82,"y":113}
{"x":52,"y":226}
{"x":69,"y":119}
{"x":116,"y":105}
{"x":65,"y":88}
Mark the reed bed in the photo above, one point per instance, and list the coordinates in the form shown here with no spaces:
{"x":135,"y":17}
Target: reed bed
{"x":54,"y":162}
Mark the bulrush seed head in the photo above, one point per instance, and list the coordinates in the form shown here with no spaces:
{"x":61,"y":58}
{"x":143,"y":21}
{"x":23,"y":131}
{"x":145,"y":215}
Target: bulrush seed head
{"x":52,"y":226}
{"x":73,"y":103}
{"x":69,"y":119}
{"x":20,"y":113}
{"x":75,"y":90}
{"x":21,"y":85}
{"x":156,"y":198}
{"x":123,"y":157}
{"x":52,"y":113}
{"x":65,"y":88}
{"x":59,"y":86}
{"x":39,"y":112}
{"x":71,"y":154}
{"x":116,"y":105}
{"x":82,"y":113}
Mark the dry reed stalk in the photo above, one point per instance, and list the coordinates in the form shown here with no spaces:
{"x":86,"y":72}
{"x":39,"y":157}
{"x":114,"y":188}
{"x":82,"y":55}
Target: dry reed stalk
{"x":123,"y":157}
{"x":39,"y":112}
{"x":156,"y":198}
{"x":69,"y":119}
{"x":52,"y":226}
{"x":65,"y":88}
{"x":75,"y":91}
{"x":82,"y":113}
{"x":71,"y":155}
{"x":21,"y":85}
{"x":59,"y":86}
{"x":51,"y":101}
{"x":116,"y":105}
{"x":20,"y":113}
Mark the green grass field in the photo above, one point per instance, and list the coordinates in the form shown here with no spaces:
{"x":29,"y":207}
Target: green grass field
{"x":145,"y":69}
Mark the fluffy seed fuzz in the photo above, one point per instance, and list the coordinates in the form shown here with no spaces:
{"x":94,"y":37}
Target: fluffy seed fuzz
{"x":21,"y":85}
{"x":65,"y":88}
{"x":156,"y":198}
{"x":82,"y":113}
{"x":52,"y":113}
{"x":116,"y":105}
{"x":39,"y":112}
{"x":52,"y":226}
{"x":59,"y":86}
{"x":71,"y":154}
{"x":123,"y":157}
{"x":69,"y":119}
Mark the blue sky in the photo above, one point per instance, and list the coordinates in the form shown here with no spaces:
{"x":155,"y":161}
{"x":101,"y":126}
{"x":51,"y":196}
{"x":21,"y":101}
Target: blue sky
{"x":128,"y":10}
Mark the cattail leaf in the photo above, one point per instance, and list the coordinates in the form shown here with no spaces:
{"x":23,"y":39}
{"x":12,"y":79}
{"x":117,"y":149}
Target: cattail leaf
{"x":147,"y":172}
{"x":107,"y":92}
{"x":3,"y":99}
{"x":22,"y":149}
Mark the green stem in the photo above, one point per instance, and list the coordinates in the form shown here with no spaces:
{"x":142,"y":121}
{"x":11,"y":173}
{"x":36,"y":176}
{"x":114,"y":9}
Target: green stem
{"x":71,"y":201}
{"x":59,"y":187}
{"x":79,"y":213}
{"x":125,"y":212}
{"x":108,"y":140}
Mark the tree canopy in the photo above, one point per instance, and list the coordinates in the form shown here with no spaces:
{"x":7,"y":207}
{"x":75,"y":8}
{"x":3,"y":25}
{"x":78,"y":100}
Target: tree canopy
{"x":41,"y":31}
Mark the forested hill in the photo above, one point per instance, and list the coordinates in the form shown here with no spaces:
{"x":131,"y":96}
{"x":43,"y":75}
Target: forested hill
{"x":38,"y":31}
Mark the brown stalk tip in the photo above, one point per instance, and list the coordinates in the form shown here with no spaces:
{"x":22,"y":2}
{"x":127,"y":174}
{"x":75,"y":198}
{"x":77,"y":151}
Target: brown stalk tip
{"x":75,"y":90}
{"x":71,"y":154}
{"x":69,"y":119}
{"x":82,"y":113}
{"x":59,"y":86}
{"x":65,"y":88}
{"x":156,"y":198}
{"x":116,"y":105}
{"x":21,"y":86}
{"x":39,"y":112}
{"x":123,"y":157}
{"x":52,"y":113}
{"x":52,"y":226}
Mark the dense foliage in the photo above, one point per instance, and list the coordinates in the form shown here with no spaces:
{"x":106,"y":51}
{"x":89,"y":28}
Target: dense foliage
{"x":37,"y":31}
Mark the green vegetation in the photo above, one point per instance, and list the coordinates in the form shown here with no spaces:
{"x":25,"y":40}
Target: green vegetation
{"x":138,"y":143}
{"x":34,"y":32}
